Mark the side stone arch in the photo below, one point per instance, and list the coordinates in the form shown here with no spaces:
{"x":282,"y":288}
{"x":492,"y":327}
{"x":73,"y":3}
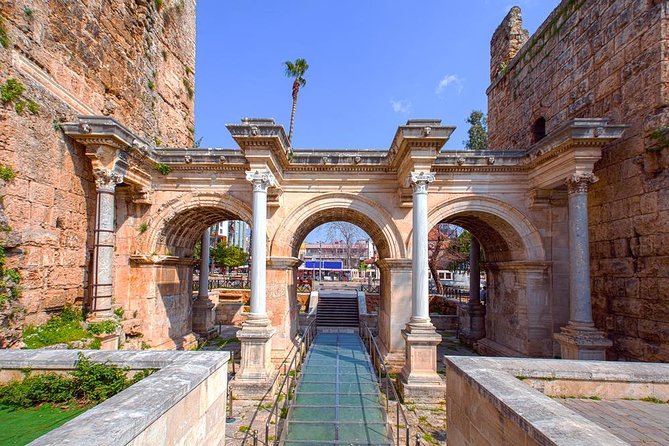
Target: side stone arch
{"x":183,"y":219}
{"x":366,"y":214}
{"x":497,"y":224}
{"x":521,"y":306}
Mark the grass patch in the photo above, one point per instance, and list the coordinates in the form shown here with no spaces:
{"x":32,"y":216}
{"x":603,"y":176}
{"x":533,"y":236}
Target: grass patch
{"x":103,"y":327}
{"x":652,"y":399}
{"x":61,"y":328}
{"x":578,"y":397}
{"x":21,"y":426}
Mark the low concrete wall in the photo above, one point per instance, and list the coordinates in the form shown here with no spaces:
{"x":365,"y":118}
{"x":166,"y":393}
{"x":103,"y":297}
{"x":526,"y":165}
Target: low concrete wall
{"x":444,"y":321}
{"x":229,"y":313}
{"x":497,"y":401}
{"x":183,"y":403}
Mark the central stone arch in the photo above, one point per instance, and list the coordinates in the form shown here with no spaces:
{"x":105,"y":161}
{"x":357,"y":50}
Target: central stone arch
{"x":394,"y":310}
{"x":518,"y":309}
{"x":356,"y":209}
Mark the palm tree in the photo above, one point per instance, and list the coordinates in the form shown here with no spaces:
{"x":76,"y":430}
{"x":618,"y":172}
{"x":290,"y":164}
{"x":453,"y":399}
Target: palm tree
{"x":295,"y":70}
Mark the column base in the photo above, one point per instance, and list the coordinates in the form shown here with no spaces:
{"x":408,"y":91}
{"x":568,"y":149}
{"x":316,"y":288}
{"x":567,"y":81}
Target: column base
{"x":203,"y":317}
{"x":256,"y":350}
{"x":255,"y":390}
{"x":419,"y":381}
{"x":583,"y":342}
{"x":476,"y":329}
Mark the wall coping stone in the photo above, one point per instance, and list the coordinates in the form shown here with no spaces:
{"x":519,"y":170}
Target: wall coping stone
{"x":544,"y":419}
{"x":119,"y":419}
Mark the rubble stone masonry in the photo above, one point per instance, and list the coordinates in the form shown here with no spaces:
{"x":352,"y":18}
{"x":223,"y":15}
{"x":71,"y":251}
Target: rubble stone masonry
{"x":130,"y":59}
{"x":603,"y":58}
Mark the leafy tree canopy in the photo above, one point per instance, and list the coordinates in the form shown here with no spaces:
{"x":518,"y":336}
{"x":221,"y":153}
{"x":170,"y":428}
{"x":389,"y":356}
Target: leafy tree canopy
{"x":478,"y":131}
{"x":229,"y":256}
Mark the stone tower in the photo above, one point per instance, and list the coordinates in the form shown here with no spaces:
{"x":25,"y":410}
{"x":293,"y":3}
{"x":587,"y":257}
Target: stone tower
{"x":132,"y":60}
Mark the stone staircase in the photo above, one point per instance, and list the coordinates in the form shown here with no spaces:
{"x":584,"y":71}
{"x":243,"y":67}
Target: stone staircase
{"x":337,"y":310}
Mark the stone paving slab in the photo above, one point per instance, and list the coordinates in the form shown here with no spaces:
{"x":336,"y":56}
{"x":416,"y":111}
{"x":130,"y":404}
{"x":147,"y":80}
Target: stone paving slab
{"x":637,"y":422}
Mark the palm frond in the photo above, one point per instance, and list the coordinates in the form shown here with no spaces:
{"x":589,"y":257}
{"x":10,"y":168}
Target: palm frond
{"x":291,"y":70}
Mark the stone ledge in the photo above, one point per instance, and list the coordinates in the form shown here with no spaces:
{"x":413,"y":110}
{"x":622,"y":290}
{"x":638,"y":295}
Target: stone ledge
{"x":125,"y":416}
{"x":544,"y":420}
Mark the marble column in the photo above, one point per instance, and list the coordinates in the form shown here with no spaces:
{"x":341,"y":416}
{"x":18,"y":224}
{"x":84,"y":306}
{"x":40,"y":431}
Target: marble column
{"x":103,"y":255}
{"x":203,"y":292}
{"x":419,"y":380}
{"x":475,"y":309}
{"x":256,"y":370}
{"x":580,"y":339}
{"x":203,"y":307}
{"x":419,"y":251}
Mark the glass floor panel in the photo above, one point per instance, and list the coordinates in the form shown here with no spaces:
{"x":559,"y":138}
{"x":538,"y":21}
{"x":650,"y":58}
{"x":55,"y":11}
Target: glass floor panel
{"x":337,"y":397}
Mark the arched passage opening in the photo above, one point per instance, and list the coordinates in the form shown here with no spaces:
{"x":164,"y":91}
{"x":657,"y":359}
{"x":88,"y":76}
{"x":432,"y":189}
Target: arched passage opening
{"x":518,"y":310}
{"x":160,"y":289}
{"x":395,"y":269}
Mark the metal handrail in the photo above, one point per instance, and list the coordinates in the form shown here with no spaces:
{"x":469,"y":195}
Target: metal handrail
{"x":382,"y":372}
{"x":294,"y":366}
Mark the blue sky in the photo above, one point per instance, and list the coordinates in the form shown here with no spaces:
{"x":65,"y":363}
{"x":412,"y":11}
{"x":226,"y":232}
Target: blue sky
{"x":373,"y":65}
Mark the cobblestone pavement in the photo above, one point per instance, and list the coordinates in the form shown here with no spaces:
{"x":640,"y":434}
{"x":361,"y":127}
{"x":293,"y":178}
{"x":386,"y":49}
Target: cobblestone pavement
{"x":429,"y":421}
{"x":637,"y":422}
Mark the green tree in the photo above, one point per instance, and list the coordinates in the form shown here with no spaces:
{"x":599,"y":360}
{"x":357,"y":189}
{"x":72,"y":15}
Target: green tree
{"x":478,"y":131}
{"x":295,"y":70}
{"x":229,"y":256}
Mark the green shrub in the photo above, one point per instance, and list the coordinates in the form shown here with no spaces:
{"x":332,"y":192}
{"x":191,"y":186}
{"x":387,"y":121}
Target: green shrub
{"x":144,"y":226}
{"x":7,"y":173}
{"x":158,"y":3}
{"x":189,"y":88}
{"x":19,"y":106}
{"x":11,"y":90}
{"x":89,"y":383}
{"x":103,"y":327}
{"x":96,"y":382}
{"x":119,"y":311}
{"x":4,"y":36}
{"x":37,"y":389}
{"x":61,"y":328}
{"x":33,"y":107}
{"x":152,"y":85}
{"x":163,"y":168}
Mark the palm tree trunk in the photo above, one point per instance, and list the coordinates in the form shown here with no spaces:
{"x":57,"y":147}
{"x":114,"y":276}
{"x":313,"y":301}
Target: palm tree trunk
{"x":296,"y":89}
{"x":292,"y":122}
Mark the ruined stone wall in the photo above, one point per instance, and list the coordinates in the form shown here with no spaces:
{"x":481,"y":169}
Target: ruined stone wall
{"x":603,"y":58}
{"x":130,"y":59}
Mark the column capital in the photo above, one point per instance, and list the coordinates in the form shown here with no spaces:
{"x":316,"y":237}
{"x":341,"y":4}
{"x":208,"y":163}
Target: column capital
{"x":420,"y":180}
{"x":106,"y":180}
{"x":579,"y":182}
{"x":261,"y":180}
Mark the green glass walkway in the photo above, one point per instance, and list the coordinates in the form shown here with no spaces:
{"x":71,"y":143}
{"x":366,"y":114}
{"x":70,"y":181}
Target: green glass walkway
{"x":337,"y":398}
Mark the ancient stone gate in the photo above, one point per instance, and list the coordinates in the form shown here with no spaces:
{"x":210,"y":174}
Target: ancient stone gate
{"x":527,"y":208}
